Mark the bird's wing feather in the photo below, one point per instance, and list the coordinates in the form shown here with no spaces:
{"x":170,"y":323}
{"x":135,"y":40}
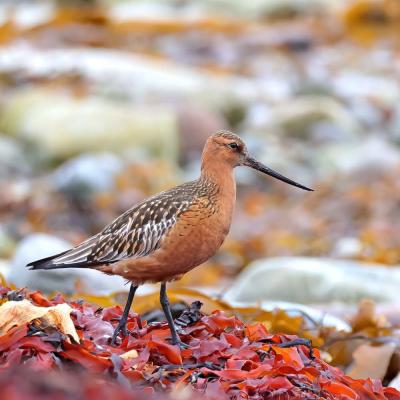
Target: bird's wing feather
{"x":136,"y":233}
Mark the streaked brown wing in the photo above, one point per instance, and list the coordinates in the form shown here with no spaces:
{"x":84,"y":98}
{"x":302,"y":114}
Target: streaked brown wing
{"x":136,"y":233}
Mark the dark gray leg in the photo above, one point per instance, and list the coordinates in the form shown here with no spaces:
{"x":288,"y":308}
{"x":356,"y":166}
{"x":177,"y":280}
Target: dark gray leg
{"x":167,"y":311}
{"x":122,"y":322}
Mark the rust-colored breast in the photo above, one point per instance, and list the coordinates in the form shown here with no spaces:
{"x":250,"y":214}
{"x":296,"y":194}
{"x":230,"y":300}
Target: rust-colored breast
{"x":135,"y":234}
{"x":197,"y":234}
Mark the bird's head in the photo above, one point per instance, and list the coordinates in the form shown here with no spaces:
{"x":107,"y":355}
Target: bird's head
{"x":229,"y":149}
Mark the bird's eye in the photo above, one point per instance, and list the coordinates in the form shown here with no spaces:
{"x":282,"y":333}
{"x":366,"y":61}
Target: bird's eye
{"x":233,"y":145}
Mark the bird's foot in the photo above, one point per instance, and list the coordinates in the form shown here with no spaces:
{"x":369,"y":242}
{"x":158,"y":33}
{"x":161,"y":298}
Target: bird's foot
{"x":182,"y":346}
{"x":120,"y":328}
{"x":299,"y":342}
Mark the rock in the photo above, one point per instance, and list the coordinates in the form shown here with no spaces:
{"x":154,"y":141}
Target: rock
{"x":294,"y":309}
{"x":394,"y":125}
{"x":195,"y":125}
{"x":363,"y":368}
{"x":29,"y":15}
{"x":317,"y":137}
{"x":395,"y":383}
{"x":369,"y":153}
{"x":38,"y":246}
{"x":87,"y":173}
{"x":295,"y":132}
{"x":7,"y":243}
{"x":347,"y":247}
{"x":315,"y":280}
{"x":130,"y":76}
{"x":295,"y":117}
{"x":255,"y":9}
{"x":360,"y":85}
{"x":4,"y":268}
{"x":62,"y":126}
{"x":13,"y":160}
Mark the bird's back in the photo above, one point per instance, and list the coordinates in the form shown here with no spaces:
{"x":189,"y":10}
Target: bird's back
{"x":196,"y":235}
{"x":141,"y":230}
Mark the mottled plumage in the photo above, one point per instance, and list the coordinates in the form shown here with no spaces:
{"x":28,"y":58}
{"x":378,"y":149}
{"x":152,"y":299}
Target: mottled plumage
{"x":165,"y":236}
{"x":136,"y":233}
{"x":140,"y":230}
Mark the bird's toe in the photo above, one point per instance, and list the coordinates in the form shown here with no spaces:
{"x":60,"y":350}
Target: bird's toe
{"x":120,"y":328}
{"x":181,"y":345}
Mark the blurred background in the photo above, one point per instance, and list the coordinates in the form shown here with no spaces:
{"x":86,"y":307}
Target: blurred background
{"x":103,"y":103}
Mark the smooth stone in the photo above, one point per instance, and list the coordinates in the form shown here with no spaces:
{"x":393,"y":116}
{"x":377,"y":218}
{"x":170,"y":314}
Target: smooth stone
{"x":13,"y":160}
{"x":37,"y":246}
{"x":195,"y":125}
{"x":323,"y":159}
{"x":356,"y":85}
{"x":296,"y":309}
{"x":294,"y":117}
{"x":254,"y":9}
{"x":62,"y":126}
{"x":87,"y":173}
{"x":347,"y":247}
{"x":314,"y":280}
{"x":4,"y":268}
{"x":7,"y":243}
{"x":370,"y":153}
{"x":131,"y":76}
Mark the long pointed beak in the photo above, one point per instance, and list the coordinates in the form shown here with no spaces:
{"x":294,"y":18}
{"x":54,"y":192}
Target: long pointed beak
{"x":252,"y":163}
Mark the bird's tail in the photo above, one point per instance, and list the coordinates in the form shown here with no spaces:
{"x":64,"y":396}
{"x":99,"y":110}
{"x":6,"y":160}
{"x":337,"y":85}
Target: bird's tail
{"x":46,"y":263}
{"x":77,"y":257}
{"x":51,"y":263}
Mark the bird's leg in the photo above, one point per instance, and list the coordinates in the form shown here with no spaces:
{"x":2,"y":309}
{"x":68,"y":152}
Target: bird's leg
{"x":167,"y":311}
{"x":122,"y":322}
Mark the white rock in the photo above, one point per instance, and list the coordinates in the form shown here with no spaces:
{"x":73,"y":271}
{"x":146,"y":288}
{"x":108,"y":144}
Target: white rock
{"x":6,"y":242}
{"x":27,"y":15}
{"x":370,"y":153}
{"x":4,"y":267}
{"x":191,"y":10}
{"x":63,"y":126}
{"x":347,"y":247}
{"x":320,"y":317}
{"x":13,"y":161}
{"x":90,"y":172}
{"x":314,"y":280}
{"x":129,"y":75}
{"x":38,"y":246}
{"x":294,"y":116}
{"x":294,"y":149}
{"x":395,"y":383}
{"x":352,"y":84}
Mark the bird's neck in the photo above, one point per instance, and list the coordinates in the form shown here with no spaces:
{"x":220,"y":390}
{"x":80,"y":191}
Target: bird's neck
{"x":220,"y":180}
{"x":220,"y":174}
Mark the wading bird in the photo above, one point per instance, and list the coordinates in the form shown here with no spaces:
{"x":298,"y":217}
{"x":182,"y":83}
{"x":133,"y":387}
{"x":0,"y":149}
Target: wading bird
{"x":170,"y":233}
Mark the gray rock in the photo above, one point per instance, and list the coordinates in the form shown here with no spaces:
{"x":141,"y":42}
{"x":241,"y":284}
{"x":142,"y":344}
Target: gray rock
{"x":347,"y":247}
{"x":314,"y":280}
{"x":372,"y":153}
{"x":87,"y":173}
{"x":62,"y":126}
{"x":7,"y":243}
{"x":296,"y":116}
{"x":4,"y":267}
{"x":13,"y":161}
{"x":38,"y":246}
{"x":28,"y":15}
{"x":316,"y":136}
{"x":254,"y":9}
{"x":195,"y":125}
{"x":295,"y":309}
{"x":356,"y":85}
{"x":133,"y":76}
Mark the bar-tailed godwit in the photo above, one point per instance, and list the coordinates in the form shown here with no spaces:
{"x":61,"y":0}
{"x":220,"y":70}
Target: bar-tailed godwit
{"x":170,"y":233}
